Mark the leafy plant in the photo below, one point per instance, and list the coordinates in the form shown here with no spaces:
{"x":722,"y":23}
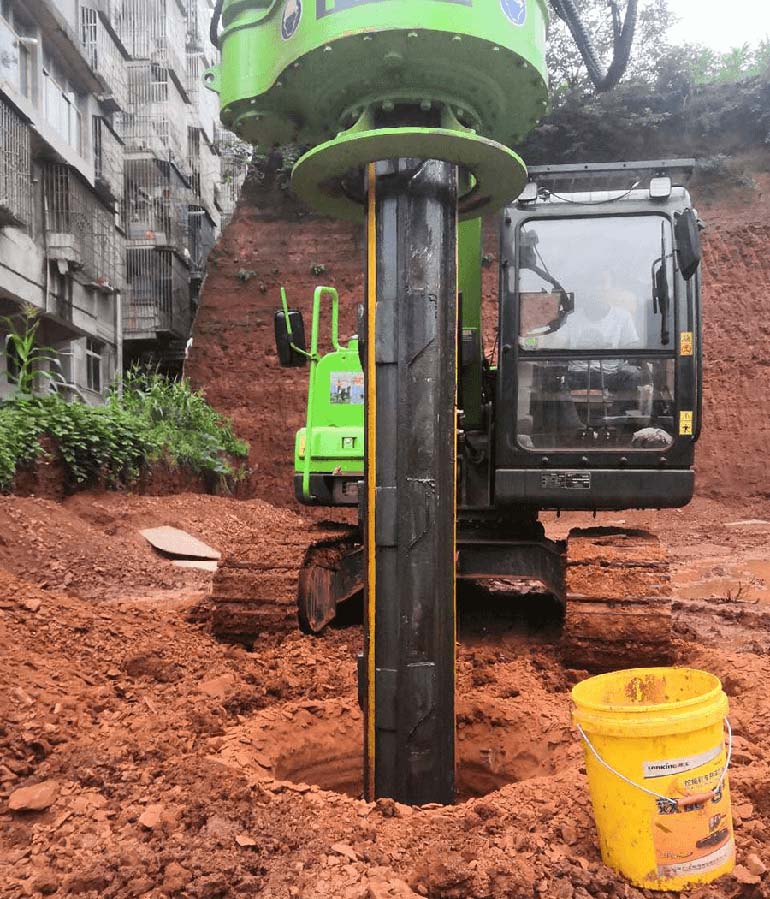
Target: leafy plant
{"x":24,"y":358}
{"x":152,"y":419}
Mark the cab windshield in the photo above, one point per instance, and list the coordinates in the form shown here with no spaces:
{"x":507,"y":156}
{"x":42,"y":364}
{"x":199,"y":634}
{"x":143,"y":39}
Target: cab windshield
{"x":586,"y":284}
{"x":585,"y":291}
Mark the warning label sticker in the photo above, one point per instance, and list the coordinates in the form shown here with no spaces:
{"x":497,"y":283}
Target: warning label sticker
{"x":685,"y":424}
{"x":679,"y":766}
{"x":714,"y":859}
{"x":347,"y":388}
{"x":685,"y":343}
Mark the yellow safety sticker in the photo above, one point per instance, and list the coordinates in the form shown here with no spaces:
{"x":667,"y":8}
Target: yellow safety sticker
{"x":685,"y":343}
{"x":685,"y":424}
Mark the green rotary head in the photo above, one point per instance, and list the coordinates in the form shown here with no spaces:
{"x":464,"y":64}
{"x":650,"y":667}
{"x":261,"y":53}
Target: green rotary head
{"x":363,"y":80}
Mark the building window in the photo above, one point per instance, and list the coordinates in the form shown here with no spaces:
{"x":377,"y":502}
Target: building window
{"x":93,"y":365}
{"x":96,"y":131}
{"x":61,"y":102}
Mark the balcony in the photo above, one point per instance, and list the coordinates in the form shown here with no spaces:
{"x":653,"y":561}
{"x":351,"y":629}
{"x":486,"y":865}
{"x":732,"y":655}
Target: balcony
{"x":80,"y":231}
{"x":108,"y":162}
{"x":202,"y":237}
{"x":155,"y":122}
{"x":155,"y":205}
{"x":157,"y":296}
{"x":155,"y":33}
{"x":105,"y":57}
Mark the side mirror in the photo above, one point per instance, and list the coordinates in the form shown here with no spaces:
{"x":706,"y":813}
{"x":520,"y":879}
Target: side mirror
{"x":688,"y":243}
{"x":290,"y":338}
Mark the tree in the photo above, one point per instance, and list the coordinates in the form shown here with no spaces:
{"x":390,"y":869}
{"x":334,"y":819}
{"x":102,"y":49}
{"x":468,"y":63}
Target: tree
{"x":682,"y":68}
{"x":565,"y":64}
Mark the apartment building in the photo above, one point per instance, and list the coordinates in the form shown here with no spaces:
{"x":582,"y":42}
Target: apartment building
{"x":115,"y":178}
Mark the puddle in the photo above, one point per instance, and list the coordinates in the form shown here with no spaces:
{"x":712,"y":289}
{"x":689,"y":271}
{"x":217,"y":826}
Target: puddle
{"x":745,"y":580}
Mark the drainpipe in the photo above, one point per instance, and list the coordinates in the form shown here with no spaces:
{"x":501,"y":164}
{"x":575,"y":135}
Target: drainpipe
{"x":119,"y":340}
{"x":46,"y":261}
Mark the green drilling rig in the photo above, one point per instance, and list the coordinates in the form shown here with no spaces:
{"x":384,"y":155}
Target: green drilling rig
{"x":409,"y":109}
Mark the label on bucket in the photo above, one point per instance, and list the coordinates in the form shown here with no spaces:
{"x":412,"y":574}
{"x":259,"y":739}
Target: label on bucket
{"x":697,"y":838}
{"x":679,"y":766}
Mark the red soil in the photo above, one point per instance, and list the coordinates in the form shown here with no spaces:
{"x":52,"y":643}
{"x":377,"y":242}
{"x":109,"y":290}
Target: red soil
{"x":178,"y":767}
{"x":185,"y":768}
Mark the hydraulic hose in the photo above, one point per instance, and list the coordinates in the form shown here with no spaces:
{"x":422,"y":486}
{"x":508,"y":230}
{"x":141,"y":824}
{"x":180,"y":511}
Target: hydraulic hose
{"x":214,"y":26}
{"x":623,"y":39}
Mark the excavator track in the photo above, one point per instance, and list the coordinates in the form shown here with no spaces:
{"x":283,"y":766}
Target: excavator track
{"x":331,"y":573}
{"x":618,"y":600}
{"x":256,"y":591}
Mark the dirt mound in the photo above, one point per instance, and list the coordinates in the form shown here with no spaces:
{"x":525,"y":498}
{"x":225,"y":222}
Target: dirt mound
{"x":90,"y":544}
{"x":164,"y":764}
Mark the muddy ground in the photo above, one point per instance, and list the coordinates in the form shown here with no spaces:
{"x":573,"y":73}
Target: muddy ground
{"x":170,"y":765}
{"x":164,"y":764}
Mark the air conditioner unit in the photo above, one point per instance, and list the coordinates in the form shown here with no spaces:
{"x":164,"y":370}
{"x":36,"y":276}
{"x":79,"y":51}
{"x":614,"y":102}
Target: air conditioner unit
{"x":62,"y":246}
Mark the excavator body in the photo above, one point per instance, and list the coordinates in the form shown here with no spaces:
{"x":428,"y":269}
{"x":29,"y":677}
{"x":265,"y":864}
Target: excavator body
{"x":589,"y":400}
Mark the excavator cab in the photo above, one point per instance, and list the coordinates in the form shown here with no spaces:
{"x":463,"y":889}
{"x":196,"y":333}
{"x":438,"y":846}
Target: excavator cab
{"x":598,"y":386}
{"x":595,"y":402}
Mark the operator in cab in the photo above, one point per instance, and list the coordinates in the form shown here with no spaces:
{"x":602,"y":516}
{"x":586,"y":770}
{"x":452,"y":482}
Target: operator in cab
{"x":601,"y":320}
{"x":579,"y":399}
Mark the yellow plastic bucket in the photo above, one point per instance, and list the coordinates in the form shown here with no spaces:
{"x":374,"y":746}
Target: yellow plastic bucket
{"x":657,"y":761}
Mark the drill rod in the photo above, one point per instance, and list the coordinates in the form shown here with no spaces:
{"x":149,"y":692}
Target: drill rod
{"x":408,"y":675}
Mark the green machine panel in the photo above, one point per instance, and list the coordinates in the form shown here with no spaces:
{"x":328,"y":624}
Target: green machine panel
{"x":458,"y":80}
{"x":311,"y":65}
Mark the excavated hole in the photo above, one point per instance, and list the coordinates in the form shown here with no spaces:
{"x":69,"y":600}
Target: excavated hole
{"x":321,"y":745}
{"x":489,"y":758}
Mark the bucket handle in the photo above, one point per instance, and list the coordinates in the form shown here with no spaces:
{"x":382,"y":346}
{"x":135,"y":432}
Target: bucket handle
{"x":686,"y":801}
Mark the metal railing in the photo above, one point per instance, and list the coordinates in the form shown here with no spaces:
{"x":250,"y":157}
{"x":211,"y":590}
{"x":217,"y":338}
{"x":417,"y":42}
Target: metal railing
{"x":153,"y":30}
{"x":155,"y":204}
{"x":156,"y":119}
{"x":157,"y":295}
{"x":103,"y":55}
{"x":108,"y":161}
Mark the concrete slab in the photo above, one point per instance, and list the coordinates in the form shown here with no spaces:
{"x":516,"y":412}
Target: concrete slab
{"x":179,"y":544}
{"x":201,"y":564}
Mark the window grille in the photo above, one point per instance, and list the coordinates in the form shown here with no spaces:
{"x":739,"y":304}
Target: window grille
{"x":157,"y":296}
{"x":104,"y":56}
{"x":15,"y":169}
{"x":80,"y":229}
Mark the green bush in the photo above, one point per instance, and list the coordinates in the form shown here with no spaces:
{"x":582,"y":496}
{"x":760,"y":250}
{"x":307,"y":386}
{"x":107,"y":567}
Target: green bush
{"x":152,"y":419}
